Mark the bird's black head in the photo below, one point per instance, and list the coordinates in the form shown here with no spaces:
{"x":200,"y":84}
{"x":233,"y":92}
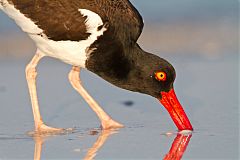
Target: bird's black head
{"x":152,"y":75}
{"x":155,"y":76}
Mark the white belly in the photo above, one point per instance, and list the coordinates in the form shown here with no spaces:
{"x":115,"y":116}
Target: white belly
{"x":71,"y":52}
{"x":74,"y":53}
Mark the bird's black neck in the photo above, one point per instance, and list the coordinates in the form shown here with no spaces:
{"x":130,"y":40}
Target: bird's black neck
{"x":124,"y":67}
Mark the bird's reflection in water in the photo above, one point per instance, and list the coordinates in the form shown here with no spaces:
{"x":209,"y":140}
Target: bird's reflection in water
{"x":99,"y":143}
{"x":176,"y":152}
{"x":38,"y":146}
{"x":91,"y":153}
{"x":179,"y":146}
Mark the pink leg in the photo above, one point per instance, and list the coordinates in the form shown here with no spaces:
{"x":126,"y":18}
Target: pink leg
{"x":106,"y":120}
{"x":31,"y":75}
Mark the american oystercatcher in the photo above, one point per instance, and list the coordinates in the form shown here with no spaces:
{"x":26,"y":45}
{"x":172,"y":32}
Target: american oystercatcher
{"x":101,"y":36}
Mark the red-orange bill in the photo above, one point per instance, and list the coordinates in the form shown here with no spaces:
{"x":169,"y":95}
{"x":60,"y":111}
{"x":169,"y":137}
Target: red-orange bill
{"x":170,"y":102}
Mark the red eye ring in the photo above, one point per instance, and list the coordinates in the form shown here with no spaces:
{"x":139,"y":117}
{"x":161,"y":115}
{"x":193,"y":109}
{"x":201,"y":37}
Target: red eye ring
{"x":161,"y":76}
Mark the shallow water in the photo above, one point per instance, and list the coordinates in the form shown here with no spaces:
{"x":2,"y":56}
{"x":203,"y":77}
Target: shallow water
{"x":200,"y":37}
{"x":207,"y":88}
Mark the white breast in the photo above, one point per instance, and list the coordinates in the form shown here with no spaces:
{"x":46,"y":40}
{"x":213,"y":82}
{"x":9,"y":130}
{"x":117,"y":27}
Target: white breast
{"x":71,"y":52}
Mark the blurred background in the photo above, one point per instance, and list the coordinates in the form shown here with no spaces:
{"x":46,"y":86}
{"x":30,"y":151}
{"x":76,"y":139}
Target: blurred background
{"x":199,"y":37}
{"x":196,"y":27}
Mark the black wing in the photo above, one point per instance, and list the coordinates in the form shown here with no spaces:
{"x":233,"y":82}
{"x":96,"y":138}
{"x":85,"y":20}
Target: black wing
{"x":137,"y":21}
{"x":61,"y":20}
{"x":126,"y":23}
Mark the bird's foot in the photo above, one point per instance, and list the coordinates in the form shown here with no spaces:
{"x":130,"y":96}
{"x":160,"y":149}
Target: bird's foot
{"x":43,"y":129}
{"x":47,"y":129}
{"x":111,"y":124}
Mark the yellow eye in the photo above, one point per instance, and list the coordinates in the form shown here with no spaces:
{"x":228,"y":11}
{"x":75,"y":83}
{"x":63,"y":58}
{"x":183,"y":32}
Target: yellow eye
{"x":161,"y":76}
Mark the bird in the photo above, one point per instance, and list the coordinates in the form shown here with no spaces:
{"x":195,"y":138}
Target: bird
{"x":101,"y":37}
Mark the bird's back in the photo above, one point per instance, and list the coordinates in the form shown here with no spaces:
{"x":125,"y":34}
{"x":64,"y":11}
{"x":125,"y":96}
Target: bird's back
{"x":66,"y":29}
{"x":61,"y":20}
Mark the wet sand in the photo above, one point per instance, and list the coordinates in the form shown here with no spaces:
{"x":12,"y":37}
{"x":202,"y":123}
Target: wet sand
{"x":201,"y":38}
{"x":207,"y":89}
